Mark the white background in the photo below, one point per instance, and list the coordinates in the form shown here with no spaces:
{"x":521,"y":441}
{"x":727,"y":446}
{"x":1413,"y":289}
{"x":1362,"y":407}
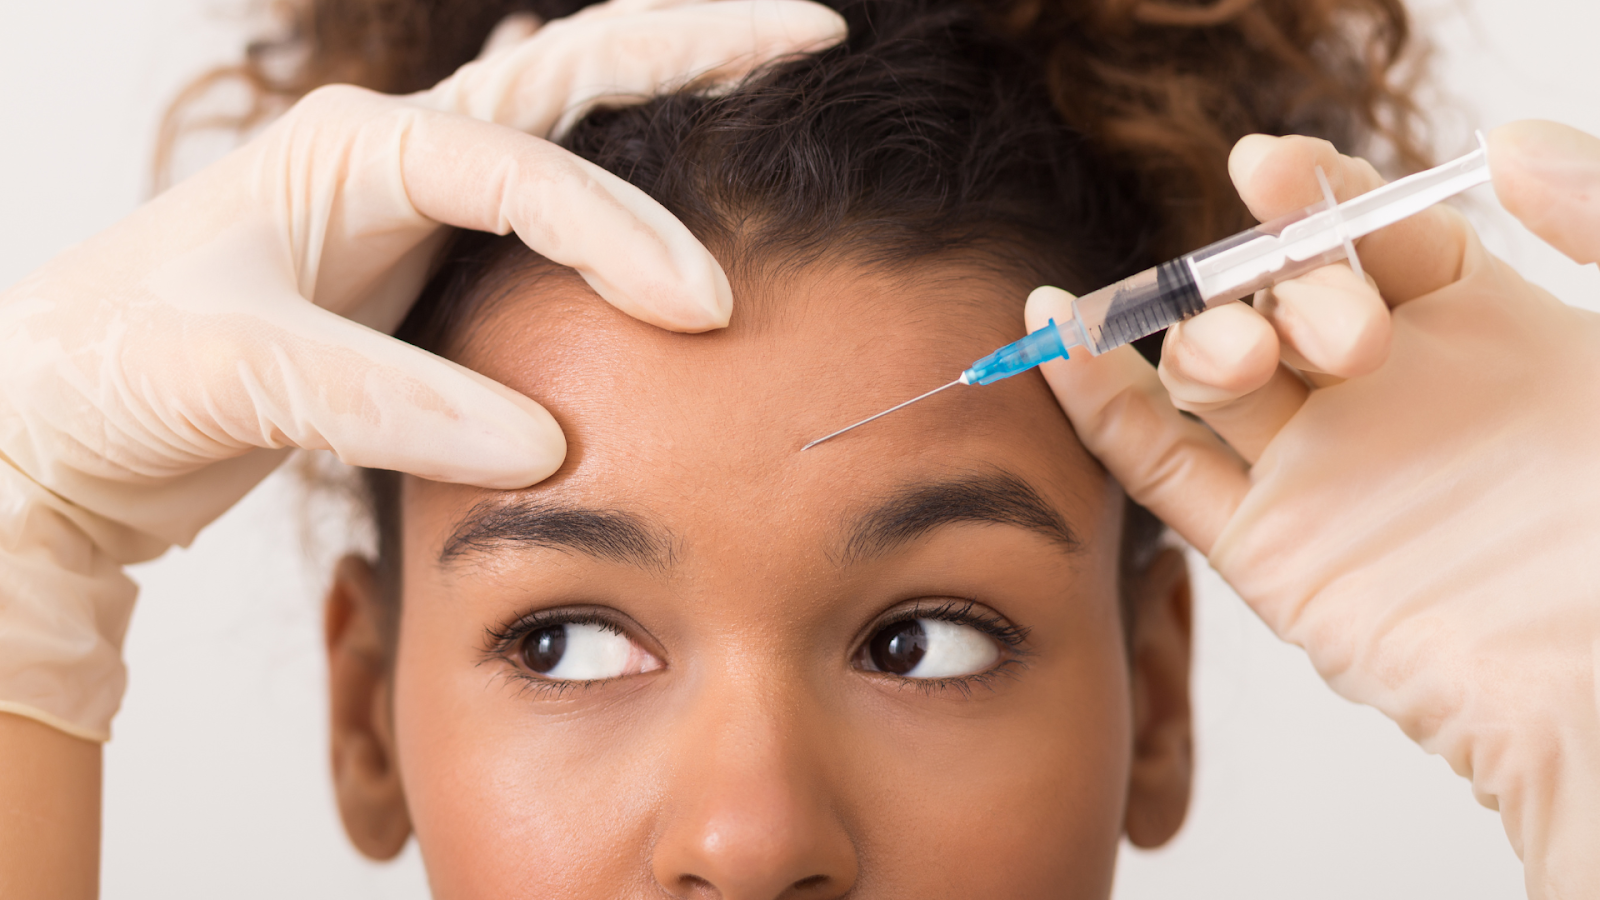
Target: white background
{"x":217,"y":781}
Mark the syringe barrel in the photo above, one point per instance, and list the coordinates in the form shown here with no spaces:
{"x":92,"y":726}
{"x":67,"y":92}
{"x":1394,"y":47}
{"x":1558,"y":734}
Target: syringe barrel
{"x":1228,"y":270}
{"x":1137,"y":306}
{"x":1284,"y":248}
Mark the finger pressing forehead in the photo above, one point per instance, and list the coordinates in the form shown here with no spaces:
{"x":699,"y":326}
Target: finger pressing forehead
{"x":1277,"y":175}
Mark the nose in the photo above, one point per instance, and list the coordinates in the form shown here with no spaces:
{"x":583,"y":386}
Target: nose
{"x":751,"y":816}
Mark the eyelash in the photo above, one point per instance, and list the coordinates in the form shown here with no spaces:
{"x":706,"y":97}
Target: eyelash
{"x":504,"y":641}
{"x":971,"y":614}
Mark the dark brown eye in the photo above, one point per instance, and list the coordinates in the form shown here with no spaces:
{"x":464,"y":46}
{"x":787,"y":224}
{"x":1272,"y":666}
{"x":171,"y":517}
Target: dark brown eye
{"x":898,"y":648}
{"x":583,"y":651}
{"x":543,"y":650}
{"x":929,"y":648}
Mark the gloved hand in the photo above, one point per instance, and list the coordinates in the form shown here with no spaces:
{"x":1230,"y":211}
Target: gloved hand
{"x":1410,"y":488}
{"x":152,"y":375}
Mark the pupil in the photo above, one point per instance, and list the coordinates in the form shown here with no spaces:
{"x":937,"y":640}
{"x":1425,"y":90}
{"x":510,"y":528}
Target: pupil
{"x":542,"y":650}
{"x":898,"y":648}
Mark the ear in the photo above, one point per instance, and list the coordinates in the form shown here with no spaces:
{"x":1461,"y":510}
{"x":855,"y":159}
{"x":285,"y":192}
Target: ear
{"x":366,"y":772}
{"x":1163,"y":735}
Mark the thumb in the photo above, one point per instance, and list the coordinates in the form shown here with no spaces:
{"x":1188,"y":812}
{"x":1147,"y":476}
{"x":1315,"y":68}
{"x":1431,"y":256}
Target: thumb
{"x":148,"y":414}
{"x":1168,"y":463}
{"x":285,"y":373}
{"x":377,"y":402}
{"x":1548,"y":176}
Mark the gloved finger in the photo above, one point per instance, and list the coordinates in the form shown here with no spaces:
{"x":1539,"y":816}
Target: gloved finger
{"x":518,"y":26}
{"x":712,"y":43}
{"x":633,"y":252}
{"x":1171,"y":464}
{"x":1330,"y":322}
{"x":438,"y":420}
{"x":509,"y":32}
{"x":613,"y":8}
{"x":1245,"y":414}
{"x":552,"y":79}
{"x":1276,"y":176}
{"x":162,"y":437}
{"x":292,"y":374}
{"x":1548,"y":176}
{"x":1217,"y":357}
{"x":412,"y":168}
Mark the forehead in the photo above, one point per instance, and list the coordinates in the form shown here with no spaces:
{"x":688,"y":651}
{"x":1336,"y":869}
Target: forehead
{"x":713,"y":423}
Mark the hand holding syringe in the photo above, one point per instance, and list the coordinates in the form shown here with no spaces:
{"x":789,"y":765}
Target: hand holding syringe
{"x":1400,"y":477}
{"x":1228,"y":270}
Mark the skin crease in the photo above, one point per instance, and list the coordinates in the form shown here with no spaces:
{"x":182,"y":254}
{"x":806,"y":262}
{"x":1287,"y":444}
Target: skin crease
{"x":760,"y":761}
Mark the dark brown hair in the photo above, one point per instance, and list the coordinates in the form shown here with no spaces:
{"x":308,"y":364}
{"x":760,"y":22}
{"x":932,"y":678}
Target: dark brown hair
{"x":1163,"y":88}
{"x":927,"y":133}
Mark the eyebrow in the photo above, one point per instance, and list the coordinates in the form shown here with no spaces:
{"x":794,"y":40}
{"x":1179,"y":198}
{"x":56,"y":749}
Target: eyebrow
{"x":998,"y":498}
{"x":607,"y":534}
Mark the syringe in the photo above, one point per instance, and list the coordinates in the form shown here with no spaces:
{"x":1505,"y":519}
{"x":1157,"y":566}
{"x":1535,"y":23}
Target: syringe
{"x":1229,"y":270}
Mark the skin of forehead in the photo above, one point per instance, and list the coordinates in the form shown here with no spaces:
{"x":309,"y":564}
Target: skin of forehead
{"x":657,"y":421}
{"x":702,"y":434}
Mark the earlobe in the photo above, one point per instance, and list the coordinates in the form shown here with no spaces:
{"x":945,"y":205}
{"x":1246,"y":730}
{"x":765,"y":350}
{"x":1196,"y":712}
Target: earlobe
{"x":1163,"y":747}
{"x":366,"y":773}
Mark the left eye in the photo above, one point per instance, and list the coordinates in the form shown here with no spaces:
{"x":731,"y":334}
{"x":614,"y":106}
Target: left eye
{"x":583,"y":651}
{"x":930,"y":648}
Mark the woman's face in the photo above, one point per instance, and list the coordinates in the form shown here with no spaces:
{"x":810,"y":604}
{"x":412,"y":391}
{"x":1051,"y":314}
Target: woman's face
{"x":700,"y":663}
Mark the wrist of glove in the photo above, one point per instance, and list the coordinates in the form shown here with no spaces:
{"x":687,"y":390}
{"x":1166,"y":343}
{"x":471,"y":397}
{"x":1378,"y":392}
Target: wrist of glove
{"x":64,"y":608}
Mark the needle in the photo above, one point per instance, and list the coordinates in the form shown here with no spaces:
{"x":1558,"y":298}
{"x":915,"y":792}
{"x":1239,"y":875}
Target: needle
{"x":879,"y":415}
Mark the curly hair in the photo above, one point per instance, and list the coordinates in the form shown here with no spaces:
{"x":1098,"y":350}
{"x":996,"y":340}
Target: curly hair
{"x":927,"y":134}
{"x":1162,"y":87}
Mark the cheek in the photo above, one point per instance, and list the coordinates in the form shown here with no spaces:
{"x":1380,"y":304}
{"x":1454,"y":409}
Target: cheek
{"x":1018,"y":802}
{"x":506,"y":803}
{"x":1028,"y":802}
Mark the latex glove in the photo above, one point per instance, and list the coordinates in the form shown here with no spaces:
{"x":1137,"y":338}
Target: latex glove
{"x":152,"y":375}
{"x":1411,"y":489}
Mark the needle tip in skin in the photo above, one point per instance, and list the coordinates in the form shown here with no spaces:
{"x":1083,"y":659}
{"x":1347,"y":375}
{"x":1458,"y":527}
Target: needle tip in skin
{"x":829,"y":437}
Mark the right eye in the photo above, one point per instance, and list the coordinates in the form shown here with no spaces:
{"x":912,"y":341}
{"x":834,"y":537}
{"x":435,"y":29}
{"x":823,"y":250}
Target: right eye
{"x":584,"y":651}
{"x":930,"y":648}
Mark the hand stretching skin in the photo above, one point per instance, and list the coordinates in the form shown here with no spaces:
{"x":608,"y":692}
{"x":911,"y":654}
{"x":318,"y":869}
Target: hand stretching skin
{"x":152,"y":375}
{"x":1409,"y":484}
